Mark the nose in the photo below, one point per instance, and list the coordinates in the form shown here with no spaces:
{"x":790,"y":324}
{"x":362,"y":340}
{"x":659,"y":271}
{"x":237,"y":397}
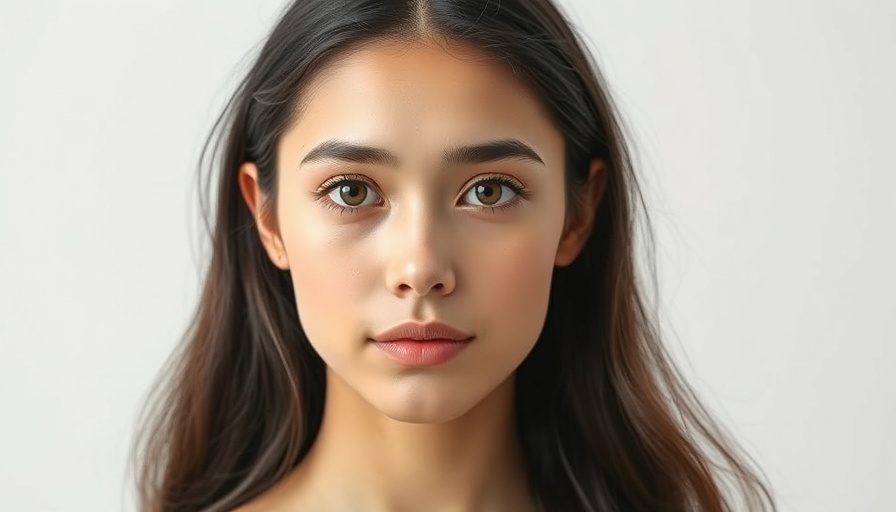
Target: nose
{"x":419,"y":260}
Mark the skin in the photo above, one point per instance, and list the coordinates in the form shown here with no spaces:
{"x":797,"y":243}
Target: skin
{"x":421,"y":247}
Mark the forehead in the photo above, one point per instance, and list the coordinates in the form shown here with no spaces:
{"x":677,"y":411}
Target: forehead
{"x":432,"y":94}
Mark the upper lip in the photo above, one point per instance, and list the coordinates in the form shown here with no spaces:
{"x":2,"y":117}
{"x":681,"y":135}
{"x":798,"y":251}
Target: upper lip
{"x":422,"y":331}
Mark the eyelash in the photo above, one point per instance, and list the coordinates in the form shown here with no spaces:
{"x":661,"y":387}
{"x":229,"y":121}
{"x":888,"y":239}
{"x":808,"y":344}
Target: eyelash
{"x":522,"y":193}
{"x":323,"y":192}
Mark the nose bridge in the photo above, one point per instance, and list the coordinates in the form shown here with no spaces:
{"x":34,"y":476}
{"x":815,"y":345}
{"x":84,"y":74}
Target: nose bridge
{"x":419,"y":255}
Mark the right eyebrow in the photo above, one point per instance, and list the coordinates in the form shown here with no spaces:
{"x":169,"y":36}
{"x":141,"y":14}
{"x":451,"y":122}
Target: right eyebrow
{"x":349,"y":152}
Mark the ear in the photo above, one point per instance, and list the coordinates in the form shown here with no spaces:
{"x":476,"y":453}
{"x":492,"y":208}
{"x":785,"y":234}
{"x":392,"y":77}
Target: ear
{"x":265,"y":219}
{"x":578,"y":226}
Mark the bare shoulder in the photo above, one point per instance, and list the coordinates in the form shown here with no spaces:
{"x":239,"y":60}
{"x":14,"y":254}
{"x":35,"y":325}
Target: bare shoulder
{"x":260,"y":505}
{"x":254,"y":505}
{"x":283,"y":496}
{"x":265,"y":502}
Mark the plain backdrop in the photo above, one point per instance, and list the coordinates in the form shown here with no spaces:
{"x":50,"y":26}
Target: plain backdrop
{"x":764,"y":133}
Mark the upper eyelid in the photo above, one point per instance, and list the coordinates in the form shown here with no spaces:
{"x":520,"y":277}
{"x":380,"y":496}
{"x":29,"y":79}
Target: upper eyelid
{"x":503,"y":179}
{"x":335,"y":180}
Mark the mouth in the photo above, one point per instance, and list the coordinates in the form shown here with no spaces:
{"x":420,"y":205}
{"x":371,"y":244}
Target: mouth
{"x":422,"y":344}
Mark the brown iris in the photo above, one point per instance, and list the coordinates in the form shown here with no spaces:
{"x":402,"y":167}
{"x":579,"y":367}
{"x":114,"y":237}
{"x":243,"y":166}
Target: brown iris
{"x":488,"y":193}
{"x":353,"y":193}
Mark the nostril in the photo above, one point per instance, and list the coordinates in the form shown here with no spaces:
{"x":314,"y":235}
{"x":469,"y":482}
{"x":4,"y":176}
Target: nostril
{"x":438,"y":287}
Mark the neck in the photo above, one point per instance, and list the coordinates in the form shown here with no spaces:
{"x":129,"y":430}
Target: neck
{"x":363,"y":460}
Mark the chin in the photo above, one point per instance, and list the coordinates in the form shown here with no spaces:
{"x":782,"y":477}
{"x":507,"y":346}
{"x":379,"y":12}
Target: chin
{"x":423,"y":417}
{"x":423,"y":407}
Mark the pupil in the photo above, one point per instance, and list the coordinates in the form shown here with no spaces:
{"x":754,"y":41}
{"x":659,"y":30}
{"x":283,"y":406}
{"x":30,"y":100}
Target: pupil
{"x":353,"y":194}
{"x":488,"y":194}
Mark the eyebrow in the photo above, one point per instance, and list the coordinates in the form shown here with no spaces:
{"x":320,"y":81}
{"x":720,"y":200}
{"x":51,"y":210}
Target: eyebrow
{"x":491,"y":151}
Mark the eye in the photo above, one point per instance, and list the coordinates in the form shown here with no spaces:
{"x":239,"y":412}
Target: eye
{"x":493,"y":192}
{"x":350,"y":194}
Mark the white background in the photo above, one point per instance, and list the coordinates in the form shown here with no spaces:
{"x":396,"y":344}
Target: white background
{"x":764,"y":132}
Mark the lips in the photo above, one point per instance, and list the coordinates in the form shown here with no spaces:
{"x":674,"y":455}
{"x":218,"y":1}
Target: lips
{"x":422,"y":345}
{"x":422,"y":332}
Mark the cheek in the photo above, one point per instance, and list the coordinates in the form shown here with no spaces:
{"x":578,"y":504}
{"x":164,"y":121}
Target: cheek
{"x":330,"y":277}
{"x":511,"y":278}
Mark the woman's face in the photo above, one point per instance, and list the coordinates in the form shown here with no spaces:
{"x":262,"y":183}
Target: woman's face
{"x":419,"y":184}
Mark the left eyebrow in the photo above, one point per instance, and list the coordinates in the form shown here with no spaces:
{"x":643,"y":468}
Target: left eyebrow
{"x":504,"y":149}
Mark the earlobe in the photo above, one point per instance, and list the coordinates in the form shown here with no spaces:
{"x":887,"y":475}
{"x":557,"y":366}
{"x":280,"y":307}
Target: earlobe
{"x":265,"y":219}
{"x":576,"y":233}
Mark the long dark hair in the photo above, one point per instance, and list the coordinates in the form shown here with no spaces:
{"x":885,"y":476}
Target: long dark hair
{"x":606,"y":422}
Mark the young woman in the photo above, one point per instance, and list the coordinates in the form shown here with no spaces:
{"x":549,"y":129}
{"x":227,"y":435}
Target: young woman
{"x":422,"y":294}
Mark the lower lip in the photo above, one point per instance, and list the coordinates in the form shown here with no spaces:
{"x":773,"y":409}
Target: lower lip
{"x":422,"y":353}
